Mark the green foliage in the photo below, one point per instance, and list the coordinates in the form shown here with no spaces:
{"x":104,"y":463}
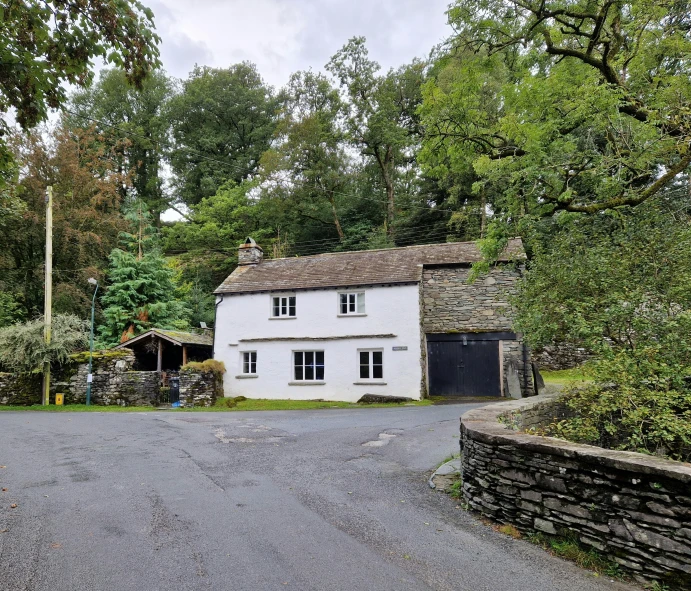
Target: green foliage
{"x":46,"y":46}
{"x":206,"y":246}
{"x":140,"y":295}
{"x":222,"y":122}
{"x":23,"y":347}
{"x":456,"y":489}
{"x":568,"y":546}
{"x":380,"y":114}
{"x":580,"y":108}
{"x":636,"y":403}
{"x":308,"y":168}
{"x":10,"y":309}
{"x":86,"y":218}
{"x":132,"y":122}
{"x":620,"y":286}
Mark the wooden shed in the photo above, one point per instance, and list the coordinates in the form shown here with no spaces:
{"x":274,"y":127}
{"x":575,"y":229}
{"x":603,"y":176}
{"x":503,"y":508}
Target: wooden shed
{"x":168,"y":350}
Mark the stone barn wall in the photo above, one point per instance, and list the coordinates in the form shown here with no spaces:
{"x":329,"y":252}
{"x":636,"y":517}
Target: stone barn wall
{"x":452,"y":305}
{"x":633,"y":508}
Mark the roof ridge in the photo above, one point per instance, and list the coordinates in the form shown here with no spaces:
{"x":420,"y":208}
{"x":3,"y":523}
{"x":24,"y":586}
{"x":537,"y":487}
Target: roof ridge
{"x":390,"y":248}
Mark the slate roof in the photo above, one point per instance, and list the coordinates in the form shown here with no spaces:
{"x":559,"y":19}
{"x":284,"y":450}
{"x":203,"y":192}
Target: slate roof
{"x":365,"y":267}
{"x":175,"y":336}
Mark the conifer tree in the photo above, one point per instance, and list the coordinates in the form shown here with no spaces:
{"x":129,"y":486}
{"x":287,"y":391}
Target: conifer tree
{"x":142,"y":292}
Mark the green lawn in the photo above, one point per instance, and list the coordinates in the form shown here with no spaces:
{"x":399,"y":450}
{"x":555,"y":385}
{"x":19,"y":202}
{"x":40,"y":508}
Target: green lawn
{"x":563,"y":376}
{"x":220,"y":406}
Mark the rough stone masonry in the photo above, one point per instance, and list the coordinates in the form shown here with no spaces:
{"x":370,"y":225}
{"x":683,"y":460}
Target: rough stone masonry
{"x":450,"y":304}
{"x":633,"y":508}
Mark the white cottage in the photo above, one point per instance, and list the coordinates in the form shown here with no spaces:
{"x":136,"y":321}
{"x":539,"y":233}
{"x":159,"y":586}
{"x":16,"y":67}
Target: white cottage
{"x":391,"y":322}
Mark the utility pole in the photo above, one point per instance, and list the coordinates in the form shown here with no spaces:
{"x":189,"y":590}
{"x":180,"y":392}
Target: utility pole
{"x":48,"y":299}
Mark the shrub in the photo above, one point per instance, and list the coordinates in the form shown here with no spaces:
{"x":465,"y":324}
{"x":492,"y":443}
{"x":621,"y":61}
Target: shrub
{"x":217,"y":367}
{"x":23,"y":349}
{"x":635,"y":402}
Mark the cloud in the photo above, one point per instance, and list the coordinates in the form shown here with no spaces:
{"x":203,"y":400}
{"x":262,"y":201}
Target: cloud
{"x":283,"y":36}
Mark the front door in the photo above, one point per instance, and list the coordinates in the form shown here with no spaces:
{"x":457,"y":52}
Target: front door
{"x":464,"y":365}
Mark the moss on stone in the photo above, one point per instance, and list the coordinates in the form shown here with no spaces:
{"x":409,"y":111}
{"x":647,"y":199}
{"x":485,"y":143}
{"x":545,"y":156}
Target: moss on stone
{"x":83,"y":356}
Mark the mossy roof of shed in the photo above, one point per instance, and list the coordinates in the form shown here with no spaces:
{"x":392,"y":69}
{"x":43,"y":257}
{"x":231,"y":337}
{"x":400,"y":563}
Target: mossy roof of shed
{"x":176,"y":336}
{"x":365,"y":267}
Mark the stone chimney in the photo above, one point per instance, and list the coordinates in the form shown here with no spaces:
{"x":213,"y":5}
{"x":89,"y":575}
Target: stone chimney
{"x":250,"y":253}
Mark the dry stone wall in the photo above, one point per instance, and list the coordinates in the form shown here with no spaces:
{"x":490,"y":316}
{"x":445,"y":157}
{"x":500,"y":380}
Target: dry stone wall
{"x":633,"y":508}
{"x":199,"y":388}
{"x":20,"y":389}
{"x":562,"y":356}
{"x":114,"y":382}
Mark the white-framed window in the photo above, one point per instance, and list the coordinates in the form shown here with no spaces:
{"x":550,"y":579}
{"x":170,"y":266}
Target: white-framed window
{"x":308,"y":366}
{"x":283,"y":306}
{"x":351,"y":303}
{"x":371,"y":364}
{"x":249,"y":362}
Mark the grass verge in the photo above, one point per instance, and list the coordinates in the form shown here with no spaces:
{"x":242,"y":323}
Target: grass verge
{"x":569,"y":548}
{"x":563,"y":376}
{"x":220,"y":406}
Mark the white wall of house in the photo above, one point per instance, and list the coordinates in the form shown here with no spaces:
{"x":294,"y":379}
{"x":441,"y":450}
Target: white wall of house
{"x":388,"y":310}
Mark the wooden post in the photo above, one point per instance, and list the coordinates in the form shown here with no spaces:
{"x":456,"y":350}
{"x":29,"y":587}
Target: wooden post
{"x":48,"y":294}
{"x":159,"y":364}
{"x":184,"y":354}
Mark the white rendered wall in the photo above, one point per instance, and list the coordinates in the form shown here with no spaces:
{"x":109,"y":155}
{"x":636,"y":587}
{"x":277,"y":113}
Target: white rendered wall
{"x":389,"y":310}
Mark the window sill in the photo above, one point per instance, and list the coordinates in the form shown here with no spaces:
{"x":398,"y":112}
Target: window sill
{"x":246,"y":376}
{"x":282,"y":317}
{"x":308,"y":383}
{"x":370,"y":384}
{"x":349,"y":315}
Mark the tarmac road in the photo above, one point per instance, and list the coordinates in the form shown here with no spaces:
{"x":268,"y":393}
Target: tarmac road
{"x":304,"y":500}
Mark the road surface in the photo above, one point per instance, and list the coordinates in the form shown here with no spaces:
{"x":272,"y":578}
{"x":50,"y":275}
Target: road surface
{"x":304,"y":500}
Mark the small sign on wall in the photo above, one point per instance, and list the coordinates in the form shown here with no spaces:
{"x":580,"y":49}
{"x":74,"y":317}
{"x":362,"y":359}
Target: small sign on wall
{"x":401,"y":348}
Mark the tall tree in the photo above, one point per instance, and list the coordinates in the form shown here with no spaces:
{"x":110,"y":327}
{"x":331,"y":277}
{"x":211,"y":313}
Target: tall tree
{"x":133,"y":119}
{"x":44,"y":46}
{"x":380,"y":112}
{"x":141,"y":290}
{"x":86,"y":218}
{"x":308,"y":166}
{"x":206,"y":244}
{"x":578,"y":106}
{"x":222,"y":122}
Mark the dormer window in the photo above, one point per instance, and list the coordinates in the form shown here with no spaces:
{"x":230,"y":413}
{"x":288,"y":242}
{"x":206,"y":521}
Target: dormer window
{"x":351,"y":303}
{"x":283,"y":306}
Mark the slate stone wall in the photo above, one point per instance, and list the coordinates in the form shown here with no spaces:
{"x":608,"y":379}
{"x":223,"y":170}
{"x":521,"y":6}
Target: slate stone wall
{"x":114,"y":382}
{"x":449,"y":304}
{"x":633,"y":508}
{"x":199,"y":388}
{"x":562,"y":356}
{"x":20,"y":389}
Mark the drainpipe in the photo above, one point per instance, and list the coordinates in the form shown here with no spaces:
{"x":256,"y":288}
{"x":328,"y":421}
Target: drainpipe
{"x":213,"y":346}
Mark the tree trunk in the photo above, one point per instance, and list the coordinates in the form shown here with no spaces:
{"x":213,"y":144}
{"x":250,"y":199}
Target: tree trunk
{"x":386,"y":167}
{"x":337,"y":222}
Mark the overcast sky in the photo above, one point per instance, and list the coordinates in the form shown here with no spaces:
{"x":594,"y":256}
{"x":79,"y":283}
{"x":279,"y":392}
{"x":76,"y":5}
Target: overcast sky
{"x":283,"y":36}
